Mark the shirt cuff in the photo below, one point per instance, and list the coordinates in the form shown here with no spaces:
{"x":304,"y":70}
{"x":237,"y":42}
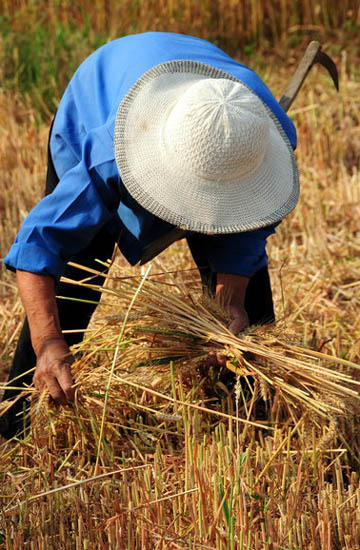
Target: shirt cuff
{"x":238,"y":265}
{"x":33,"y":259}
{"x":239,"y":253}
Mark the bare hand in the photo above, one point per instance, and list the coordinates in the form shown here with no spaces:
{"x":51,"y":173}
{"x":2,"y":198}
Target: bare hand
{"x":240,"y":322}
{"x":53,"y":371}
{"x":240,"y":319}
{"x":230,"y":293}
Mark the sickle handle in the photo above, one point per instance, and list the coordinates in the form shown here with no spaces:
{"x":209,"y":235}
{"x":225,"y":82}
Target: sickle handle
{"x":313,"y":54}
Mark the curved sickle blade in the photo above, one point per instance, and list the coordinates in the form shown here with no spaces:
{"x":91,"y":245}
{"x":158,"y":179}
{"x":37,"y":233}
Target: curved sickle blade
{"x":328,"y":63}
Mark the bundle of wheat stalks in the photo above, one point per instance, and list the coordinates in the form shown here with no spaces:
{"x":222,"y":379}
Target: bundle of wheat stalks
{"x":165,"y":326}
{"x":163,"y":321}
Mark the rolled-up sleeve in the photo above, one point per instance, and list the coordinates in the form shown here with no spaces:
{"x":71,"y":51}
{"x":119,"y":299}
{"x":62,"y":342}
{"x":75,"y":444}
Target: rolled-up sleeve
{"x":237,"y":253}
{"x":63,"y":223}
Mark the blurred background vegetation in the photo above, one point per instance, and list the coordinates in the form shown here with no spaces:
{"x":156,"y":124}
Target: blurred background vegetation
{"x":42,"y":42}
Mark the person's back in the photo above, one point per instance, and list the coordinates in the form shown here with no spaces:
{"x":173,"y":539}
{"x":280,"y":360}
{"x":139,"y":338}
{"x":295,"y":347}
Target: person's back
{"x":94,"y":93}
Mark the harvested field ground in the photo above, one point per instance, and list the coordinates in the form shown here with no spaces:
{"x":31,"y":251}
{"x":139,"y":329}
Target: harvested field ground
{"x":175,"y":455}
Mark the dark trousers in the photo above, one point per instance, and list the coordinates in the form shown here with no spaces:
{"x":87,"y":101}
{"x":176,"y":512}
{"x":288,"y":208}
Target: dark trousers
{"x":76,"y":315}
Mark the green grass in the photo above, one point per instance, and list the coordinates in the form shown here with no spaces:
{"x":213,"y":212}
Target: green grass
{"x":40,"y":62}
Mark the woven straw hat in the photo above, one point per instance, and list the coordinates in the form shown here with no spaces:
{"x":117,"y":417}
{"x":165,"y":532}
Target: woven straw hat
{"x":200,"y":150}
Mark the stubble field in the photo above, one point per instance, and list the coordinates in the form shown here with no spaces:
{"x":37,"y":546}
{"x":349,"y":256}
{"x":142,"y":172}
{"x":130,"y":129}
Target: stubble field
{"x":170,"y":454}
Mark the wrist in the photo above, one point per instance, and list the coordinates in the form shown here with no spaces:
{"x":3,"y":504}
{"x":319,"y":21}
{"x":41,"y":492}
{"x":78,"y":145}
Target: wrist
{"x":54,"y":340}
{"x":231,"y":289}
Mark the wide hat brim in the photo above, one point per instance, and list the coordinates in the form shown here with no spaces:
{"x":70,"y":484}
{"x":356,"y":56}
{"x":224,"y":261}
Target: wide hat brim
{"x":166,"y":190}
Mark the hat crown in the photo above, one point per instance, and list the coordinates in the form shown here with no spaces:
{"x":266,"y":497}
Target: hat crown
{"x":203,"y":154}
{"x":218,"y":130}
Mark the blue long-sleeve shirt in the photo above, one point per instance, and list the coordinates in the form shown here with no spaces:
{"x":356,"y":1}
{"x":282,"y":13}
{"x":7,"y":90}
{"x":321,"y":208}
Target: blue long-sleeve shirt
{"x":90,"y":193}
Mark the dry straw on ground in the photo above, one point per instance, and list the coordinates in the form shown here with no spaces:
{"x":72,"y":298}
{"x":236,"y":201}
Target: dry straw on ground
{"x":177,"y":444}
{"x":153,"y":456}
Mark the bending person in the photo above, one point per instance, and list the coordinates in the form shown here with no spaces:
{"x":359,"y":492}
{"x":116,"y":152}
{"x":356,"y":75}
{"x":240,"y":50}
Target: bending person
{"x":154,"y":131}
